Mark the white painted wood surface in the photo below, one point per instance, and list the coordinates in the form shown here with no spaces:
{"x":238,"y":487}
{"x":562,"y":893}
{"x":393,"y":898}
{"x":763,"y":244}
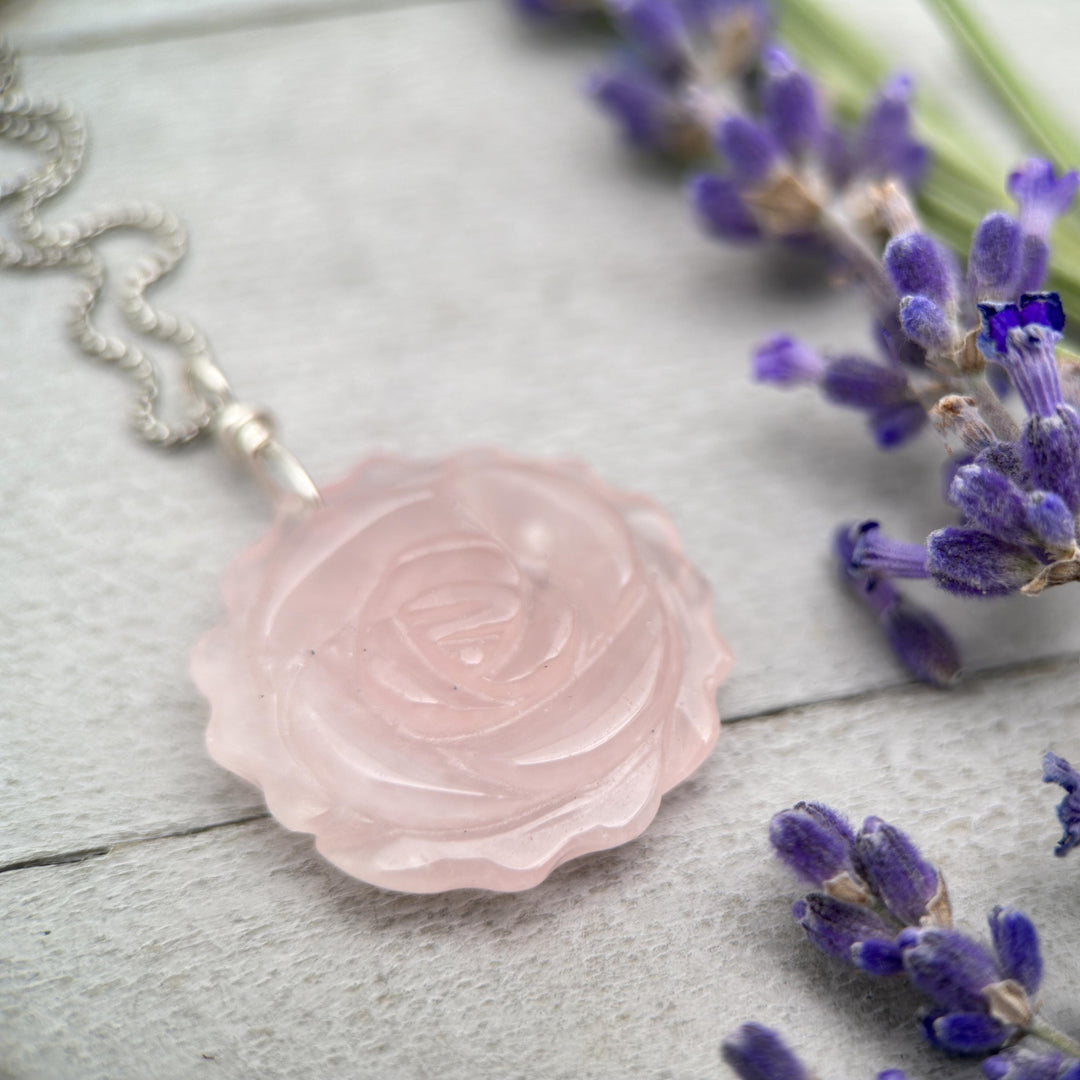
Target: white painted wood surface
{"x":410,"y":232}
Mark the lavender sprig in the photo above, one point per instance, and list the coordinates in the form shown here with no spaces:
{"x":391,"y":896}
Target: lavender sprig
{"x":1056,"y":770}
{"x":756,"y":1052}
{"x":701,"y":80}
{"x":880,"y":906}
{"x":954,"y":345}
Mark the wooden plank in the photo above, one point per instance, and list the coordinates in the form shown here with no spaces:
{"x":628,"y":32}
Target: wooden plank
{"x":239,"y":953}
{"x":109,"y":24}
{"x":411,"y":233}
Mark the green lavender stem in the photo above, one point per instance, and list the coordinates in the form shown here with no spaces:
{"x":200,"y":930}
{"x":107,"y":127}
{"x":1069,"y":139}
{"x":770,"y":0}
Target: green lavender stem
{"x":965,"y":182}
{"x":1048,"y":1034}
{"x":1045,"y":130}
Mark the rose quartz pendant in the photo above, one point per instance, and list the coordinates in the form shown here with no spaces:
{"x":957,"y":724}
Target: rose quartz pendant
{"x":463,"y":673}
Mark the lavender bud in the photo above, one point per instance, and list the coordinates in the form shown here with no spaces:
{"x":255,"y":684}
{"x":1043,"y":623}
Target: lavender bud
{"x":994,"y":261}
{"x":790,"y":104}
{"x":1007,"y":459}
{"x":1040,"y":195}
{"x":721,"y":209}
{"x":1022,"y":1063}
{"x":863,"y":384}
{"x":918,"y":264}
{"x":921,"y":643}
{"x":835,"y":926}
{"x":1050,"y":520}
{"x":750,"y":151}
{"x":927,"y":325}
{"x":970,"y":562}
{"x":959,"y":422}
{"x":1051,"y":448}
{"x":638,"y":102}
{"x":837,"y":156}
{"x":970,"y":1034}
{"x":881,"y":958}
{"x":813,"y":840}
{"x":892,"y":1074}
{"x":786,"y":362}
{"x":990,"y":501}
{"x":893,"y":425}
{"x":658,"y":31}
{"x":886,"y":148}
{"x":876,"y":553}
{"x":1056,"y":770}
{"x":1016,"y":942}
{"x":949,"y":967}
{"x":895,"y":870}
{"x":757,"y":1053}
{"x":1034,"y":263}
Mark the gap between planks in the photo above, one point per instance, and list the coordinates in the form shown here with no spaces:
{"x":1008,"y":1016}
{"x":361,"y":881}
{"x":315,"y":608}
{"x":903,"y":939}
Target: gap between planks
{"x":1027,"y":667}
{"x":180,"y":28}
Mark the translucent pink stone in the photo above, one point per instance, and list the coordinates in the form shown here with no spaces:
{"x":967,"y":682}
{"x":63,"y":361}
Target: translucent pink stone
{"x":464,"y":672}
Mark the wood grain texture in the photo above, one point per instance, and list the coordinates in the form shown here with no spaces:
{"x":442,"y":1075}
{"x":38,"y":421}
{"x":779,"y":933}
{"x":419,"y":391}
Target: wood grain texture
{"x":238,"y":953}
{"x":411,"y":233}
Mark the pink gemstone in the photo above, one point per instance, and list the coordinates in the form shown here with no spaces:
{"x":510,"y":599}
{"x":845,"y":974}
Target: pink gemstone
{"x":464,"y":672}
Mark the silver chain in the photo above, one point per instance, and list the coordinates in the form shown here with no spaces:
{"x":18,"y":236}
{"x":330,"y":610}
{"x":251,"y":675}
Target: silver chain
{"x":56,"y":132}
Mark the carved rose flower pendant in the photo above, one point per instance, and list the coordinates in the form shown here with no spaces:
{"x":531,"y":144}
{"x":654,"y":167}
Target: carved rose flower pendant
{"x":465,"y":672}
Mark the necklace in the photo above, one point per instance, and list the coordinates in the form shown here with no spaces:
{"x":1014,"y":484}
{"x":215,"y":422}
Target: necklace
{"x":453,"y":673}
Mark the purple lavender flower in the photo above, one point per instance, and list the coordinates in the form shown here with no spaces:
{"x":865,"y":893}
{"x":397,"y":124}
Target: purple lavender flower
{"x":1016,"y":943}
{"x":895,"y":870}
{"x":1050,"y":521}
{"x":926,"y":323}
{"x":649,"y":114}
{"x":877,"y":553}
{"x":756,"y":1052}
{"x":1023,"y":1063}
{"x":1022,"y":339}
{"x":1056,"y":770}
{"x":885,"y":146}
{"x":750,"y":151}
{"x":958,"y":974}
{"x":814,"y":841}
{"x":839,"y":927}
{"x":791,"y":105}
{"x":1041,"y":197}
{"x":657,"y":30}
{"x":970,"y":562}
{"x":994,"y":262}
{"x":981,"y":998}
{"x":880,"y":391}
{"x":864,"y":384}
{"x":919,"y":265}
{"x":970,"y":1034}
{"x":721,"y":210}
{"x":949,"y":967}
{"x":784,"y":361}
{"x":919,"y":640}
{"x":991,"y":501}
